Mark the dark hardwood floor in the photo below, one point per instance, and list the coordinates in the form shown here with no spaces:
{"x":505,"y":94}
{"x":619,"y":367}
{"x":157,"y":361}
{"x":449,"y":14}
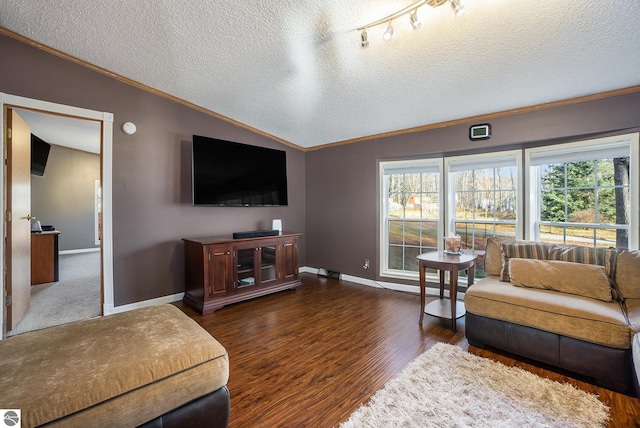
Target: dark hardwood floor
{"x":309,"y":357}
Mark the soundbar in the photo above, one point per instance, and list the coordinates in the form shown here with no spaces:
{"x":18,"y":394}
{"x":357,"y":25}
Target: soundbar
{"x":255,"y":234}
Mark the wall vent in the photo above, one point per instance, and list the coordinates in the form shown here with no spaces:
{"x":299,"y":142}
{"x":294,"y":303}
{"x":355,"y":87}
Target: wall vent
{"x":329,"y":273}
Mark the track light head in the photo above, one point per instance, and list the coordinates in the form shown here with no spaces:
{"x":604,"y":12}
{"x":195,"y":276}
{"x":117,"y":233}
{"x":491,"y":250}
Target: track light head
{"x":415,"y":21}
{"x":457,"y":8}
{"x":389,"y":33}
{"x":364,"y":40}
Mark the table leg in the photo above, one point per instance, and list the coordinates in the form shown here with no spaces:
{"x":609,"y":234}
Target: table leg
{"x":423,"y":284}
{"x":453,"y":293}
{"x":470,"y":275}
{"x":441,"y":284}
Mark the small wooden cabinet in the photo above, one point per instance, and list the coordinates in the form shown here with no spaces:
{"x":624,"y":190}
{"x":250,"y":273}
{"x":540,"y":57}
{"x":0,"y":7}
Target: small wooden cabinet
{"x":44,"y":257}
{"x":222,"y":270}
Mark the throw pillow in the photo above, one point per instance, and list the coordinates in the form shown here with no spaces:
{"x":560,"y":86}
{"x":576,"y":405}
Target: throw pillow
{"x":628,"y":273}
{"x":577,"y":254}
{"x":522,"y":250}
{"x":581,"y":279}
{"x":493,"y":255}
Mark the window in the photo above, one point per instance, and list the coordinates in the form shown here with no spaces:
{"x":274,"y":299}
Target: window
{"x":585,"y":193}
{"x":483,"y":198}
{"x":411,"y":212}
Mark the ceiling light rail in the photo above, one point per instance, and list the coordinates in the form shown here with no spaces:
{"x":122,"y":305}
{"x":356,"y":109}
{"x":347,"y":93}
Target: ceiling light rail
{"x":412,"y":10}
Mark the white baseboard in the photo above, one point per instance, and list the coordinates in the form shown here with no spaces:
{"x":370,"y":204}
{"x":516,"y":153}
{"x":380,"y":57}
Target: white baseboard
{"x":110,"y":309}
{"x":79,"y":251}
{"x":413,"y":289}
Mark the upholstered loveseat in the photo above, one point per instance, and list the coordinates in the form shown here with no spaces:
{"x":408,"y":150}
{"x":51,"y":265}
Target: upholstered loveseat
{"x":151,"y":367}
{"x":575,"y":308}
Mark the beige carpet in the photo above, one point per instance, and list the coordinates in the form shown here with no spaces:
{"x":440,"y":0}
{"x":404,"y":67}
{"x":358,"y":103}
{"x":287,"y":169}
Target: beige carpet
{"x":75,"y":297}
{"x":448,"y":387}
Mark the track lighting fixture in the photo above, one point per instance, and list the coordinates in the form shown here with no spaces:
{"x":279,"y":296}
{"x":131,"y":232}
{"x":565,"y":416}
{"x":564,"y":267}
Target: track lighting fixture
{"x":412,"y":10}
{"x":388,"y":34}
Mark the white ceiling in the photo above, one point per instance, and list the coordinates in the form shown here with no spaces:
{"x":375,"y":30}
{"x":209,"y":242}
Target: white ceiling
{"x":78,"y":134}
{"x":294,"y":69}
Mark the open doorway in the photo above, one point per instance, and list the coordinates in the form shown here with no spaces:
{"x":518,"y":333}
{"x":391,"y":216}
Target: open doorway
{"x":65,"y":203}
{"x":83,"y":257}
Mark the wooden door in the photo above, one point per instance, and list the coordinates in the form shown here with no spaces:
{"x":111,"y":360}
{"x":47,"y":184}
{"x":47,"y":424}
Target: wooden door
{"x":18,"y":225}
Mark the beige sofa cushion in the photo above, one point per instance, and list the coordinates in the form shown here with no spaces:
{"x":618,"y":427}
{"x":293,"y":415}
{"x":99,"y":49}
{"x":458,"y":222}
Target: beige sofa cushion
{"x":565,"y":277}
{"x":574,"y":316}
{"x":123,"y":369}
{"x":628,"y":273}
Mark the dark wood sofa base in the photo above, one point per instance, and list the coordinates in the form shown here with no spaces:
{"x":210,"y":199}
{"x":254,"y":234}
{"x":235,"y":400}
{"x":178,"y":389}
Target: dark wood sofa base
{"x":211,"y":411}
{"x":607,"y":367}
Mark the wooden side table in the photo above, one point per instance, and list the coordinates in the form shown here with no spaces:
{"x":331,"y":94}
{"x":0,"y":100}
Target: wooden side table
{"x":452,"y":263}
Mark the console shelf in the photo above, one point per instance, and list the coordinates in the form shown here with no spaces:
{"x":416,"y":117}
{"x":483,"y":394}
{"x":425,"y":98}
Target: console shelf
{"x":221,"y":270}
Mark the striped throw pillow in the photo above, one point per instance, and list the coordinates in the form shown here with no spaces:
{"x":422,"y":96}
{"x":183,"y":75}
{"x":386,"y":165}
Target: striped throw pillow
{"x":588,"y":255}
{"x":521,"y":250}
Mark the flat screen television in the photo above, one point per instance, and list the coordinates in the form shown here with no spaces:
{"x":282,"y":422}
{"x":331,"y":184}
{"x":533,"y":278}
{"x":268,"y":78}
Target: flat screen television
{"x":231,"y":174}
{"x":39,"y":155}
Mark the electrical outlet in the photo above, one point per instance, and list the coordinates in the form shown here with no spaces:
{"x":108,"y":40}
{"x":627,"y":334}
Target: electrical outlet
{"x":366,"y":264}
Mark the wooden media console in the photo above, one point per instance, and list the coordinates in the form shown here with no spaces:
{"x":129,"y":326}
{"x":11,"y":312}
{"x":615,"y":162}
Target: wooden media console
{"x":222,"y":270}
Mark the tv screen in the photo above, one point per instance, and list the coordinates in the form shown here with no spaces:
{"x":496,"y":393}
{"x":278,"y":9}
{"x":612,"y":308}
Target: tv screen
{"x":231,"y":174}
{"x":39,"y":155}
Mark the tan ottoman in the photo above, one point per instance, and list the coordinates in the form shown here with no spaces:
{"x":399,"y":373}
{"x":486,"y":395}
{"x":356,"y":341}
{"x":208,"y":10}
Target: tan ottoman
{"x":121,"y":370}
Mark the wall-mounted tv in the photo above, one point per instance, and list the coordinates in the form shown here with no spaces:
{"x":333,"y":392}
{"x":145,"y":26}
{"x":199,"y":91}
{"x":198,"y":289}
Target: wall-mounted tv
{"x":39,"y":155}
{"x":231,"y":174}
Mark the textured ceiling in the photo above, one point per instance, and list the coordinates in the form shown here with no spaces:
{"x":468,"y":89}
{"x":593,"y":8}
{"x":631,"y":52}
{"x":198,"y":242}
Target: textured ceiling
{"x":294,"y":69}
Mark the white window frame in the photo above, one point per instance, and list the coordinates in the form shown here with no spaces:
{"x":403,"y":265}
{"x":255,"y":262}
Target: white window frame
{"x":566,"y":150}
{"x":480,"y":161}
{"x":419,"y":165}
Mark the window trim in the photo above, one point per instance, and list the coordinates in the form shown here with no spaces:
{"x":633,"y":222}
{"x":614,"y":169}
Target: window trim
{"x":483,"y":160}
{"x":426,"y":164}
{"x":532,"y":188}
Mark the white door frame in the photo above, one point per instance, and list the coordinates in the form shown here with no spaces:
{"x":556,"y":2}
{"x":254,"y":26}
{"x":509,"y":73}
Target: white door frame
{"x":106,"y":120}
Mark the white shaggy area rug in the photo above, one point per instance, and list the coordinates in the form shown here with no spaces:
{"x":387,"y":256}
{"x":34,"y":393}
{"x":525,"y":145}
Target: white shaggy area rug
{"x":448,"y":387}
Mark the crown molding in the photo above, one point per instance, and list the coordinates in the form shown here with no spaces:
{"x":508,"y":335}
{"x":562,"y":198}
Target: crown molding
{"x":485,"y":117}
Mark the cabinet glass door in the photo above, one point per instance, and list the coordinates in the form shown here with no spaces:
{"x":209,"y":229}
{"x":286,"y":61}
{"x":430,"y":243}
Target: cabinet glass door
{"x":246,"y":267}
{"x":268,"y":270}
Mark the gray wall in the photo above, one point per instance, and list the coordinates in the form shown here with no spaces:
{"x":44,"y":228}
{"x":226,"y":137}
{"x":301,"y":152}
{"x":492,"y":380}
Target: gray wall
{"x":152,"y":208}
{"x":65,"y":196}
{"x":342,"y":181}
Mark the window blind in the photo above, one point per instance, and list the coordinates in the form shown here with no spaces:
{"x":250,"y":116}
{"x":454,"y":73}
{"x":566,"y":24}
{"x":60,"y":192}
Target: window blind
{"x":579,"y":153}
{"x":411,"y":167}
{"x":468,"y":163}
